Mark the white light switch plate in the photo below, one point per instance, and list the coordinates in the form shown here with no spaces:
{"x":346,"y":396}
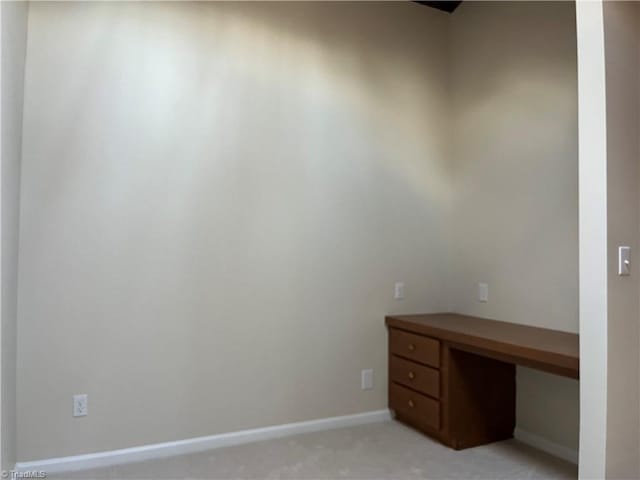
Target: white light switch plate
{"x":624,"y":261}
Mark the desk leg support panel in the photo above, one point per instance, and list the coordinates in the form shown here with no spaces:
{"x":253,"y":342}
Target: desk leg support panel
{"x":481,"y":397}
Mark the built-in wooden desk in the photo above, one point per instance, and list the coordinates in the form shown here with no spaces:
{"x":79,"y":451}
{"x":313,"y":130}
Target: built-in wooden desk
{"x":453,"y":376}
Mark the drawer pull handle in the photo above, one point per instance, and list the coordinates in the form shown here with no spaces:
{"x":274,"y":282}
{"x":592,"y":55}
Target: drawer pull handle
{"x":412,"y":375}
{"x":411,"y":404}
{"x":412,"y":347}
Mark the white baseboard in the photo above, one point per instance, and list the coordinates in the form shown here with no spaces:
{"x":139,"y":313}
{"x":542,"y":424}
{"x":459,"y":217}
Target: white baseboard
{"x":199,"y":444}
{"x":546,"y":445}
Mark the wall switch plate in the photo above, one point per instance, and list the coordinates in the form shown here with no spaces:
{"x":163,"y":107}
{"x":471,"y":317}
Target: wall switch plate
{"x":483,"y":292}
{"x":624,"y":261}
{"x":367,"y":379}
{"x":80,"y":405}
{"x":398,"y":291}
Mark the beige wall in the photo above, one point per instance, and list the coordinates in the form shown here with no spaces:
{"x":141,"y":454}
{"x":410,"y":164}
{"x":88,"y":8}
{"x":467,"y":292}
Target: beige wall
{"x":622,"y":51}
{"x":14,"y":39}
{"x":217,"y":199}
{"x":515,"y":160}
{"x":216,"y":202}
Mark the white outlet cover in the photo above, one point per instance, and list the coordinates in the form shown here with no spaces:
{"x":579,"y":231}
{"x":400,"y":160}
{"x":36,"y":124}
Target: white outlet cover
{"x":483,"y":292}
{"x":80,"y":405}
{"x":398,"y":291}
{"x":367,"y":379}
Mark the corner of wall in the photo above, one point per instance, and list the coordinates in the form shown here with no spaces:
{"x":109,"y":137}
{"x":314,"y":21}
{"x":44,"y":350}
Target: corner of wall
{"x":13,"y":31}
{"x":512,"y":95}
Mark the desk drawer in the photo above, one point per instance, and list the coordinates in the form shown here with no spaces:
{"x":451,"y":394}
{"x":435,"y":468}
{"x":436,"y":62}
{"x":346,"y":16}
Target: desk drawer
{"x":414,"y":347}
{"x":418,"y":377}
{"x":422,"y":410}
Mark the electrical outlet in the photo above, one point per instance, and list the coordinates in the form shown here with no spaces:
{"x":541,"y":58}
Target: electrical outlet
{"x":80,"y":405}
{"x":367,"y":379}
{"x":398,"y":291}
{"x":483,"y":292}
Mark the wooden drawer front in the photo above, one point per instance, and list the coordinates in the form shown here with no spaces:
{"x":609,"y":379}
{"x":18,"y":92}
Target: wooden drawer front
{"x":418,"y":408}
{"x":418,"y":377}
{"x":415,"y":347}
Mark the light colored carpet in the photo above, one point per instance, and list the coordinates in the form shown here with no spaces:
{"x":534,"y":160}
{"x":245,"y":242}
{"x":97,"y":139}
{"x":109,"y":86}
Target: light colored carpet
{"x":386,"y":450}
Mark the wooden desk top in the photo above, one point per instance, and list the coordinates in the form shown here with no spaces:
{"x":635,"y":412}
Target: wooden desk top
{"x":549,"y":350}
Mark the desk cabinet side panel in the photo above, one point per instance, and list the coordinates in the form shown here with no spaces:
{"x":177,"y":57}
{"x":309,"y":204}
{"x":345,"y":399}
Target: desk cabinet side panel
{"x":445,"y":396}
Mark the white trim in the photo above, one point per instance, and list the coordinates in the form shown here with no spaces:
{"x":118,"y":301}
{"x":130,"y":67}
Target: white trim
{"x":198,"y":444}
{"x":592,"y":237}
{"x":546,"y":445}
